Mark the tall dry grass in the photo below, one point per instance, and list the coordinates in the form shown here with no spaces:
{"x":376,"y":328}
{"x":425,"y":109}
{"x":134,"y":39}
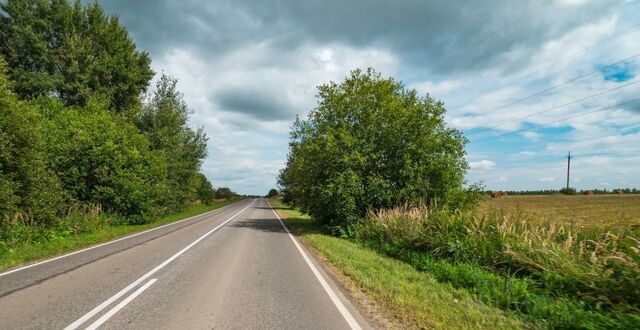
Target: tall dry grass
{"x":597,"y":266}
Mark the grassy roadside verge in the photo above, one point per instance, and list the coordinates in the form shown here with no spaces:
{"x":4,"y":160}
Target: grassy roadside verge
{"x":405,"y":293}
{"x":57,"y":245}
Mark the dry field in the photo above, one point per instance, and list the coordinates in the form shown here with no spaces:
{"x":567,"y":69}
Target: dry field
{"x":580,"y":210}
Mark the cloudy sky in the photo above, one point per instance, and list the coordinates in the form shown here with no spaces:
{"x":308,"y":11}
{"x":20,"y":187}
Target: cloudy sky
{"x":526,"y":80}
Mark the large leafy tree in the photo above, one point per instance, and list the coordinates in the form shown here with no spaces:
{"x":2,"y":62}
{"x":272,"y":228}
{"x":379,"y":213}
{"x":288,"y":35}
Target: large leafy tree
{"x":26,"y":185}
{"x":164,"y":120}
{"x":71,"y":51}
{"x":369,"y":144}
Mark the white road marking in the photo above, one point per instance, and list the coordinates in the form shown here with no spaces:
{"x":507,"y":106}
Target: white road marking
{"x":336,"y":301}
{"x":119,"y":306}
{"x":135,"y":283}
{"x":107,"y":243}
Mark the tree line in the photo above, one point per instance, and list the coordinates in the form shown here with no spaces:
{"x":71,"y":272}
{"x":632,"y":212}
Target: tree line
{"x":78,"y":127}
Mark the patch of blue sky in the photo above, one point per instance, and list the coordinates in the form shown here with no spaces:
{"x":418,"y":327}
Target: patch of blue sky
{"x":619,"y":73}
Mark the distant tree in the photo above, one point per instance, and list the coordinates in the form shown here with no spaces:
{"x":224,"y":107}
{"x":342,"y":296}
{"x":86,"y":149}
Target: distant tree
{"x":568,"y":191}
{"x":73,"y":52}
{"x":164,"y":120}
{"x":369,"y":144}
{"x":272,"y":193}
{"x":26,"y":184}
{"x":224,"y":193}
{"x":205,"y":191}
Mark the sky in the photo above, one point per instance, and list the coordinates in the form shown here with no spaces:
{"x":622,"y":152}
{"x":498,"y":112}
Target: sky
{"x":526,"y":81}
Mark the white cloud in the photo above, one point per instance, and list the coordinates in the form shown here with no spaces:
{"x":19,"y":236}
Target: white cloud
{"x":502,"y":179}
{"x":437,"y":89}
{"x":547,"y":179}
{"x":531,"y":135}
{"x":482,"y":165}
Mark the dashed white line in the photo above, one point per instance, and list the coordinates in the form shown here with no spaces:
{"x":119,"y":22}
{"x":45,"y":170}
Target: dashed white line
{"x":135,"y":283}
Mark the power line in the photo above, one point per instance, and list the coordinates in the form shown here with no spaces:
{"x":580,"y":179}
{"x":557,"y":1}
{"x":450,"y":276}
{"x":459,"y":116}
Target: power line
{"x":555,"y":107}
{"x":558,"y":157}
{"x":555,"y":87}
{"x":559,"y":120}
{"x":561,"y":58}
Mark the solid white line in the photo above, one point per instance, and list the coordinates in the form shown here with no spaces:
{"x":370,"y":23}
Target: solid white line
{"x":135,"y":283}
{"x":119,"y":306}
{"x":336,"y":301}
{"x":107,"y":243}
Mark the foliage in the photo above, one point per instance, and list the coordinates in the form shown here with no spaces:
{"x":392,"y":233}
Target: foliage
{"x":164,"y":120}
{"x":599,"y":267}
{"x":26,"y":184}
{"x":372,"y":144}
{"x":73,"y":52}
{"x":272,"y":193}
{"x":412,"y":297}
{"x":224,"y":193}
{"x":568,"y":191}
{"x":204,"y":190}
{"x":102,"y":159}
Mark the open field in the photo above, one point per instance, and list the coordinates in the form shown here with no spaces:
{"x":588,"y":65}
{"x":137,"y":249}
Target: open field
{"x":580,"y":210}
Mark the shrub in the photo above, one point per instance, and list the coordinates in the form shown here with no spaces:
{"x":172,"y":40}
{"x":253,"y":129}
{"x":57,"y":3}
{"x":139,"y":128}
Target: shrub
{"x":370,"y":144}
{"x":568,"y":191}
{"x":102,"y":159}
{"x":26,"y":184}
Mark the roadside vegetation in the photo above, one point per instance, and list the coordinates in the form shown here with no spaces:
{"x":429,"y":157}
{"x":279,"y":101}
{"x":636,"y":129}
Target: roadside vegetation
{"x":84,"y":147}
{"x":376,"y":165}
{"x":407,"y":297}
{"x":25,"y":243}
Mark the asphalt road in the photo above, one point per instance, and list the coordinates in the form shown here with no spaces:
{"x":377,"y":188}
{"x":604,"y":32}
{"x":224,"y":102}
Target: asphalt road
{"x":232,"y":268}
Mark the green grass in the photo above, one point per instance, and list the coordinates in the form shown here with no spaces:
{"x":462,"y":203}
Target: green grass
{"x":406,"y":293}
{"x":550,"y":275}
{"x":60,"y":243}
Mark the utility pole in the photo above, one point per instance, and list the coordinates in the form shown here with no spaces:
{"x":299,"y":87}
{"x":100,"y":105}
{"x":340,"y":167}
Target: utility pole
{"x":568,"y":168}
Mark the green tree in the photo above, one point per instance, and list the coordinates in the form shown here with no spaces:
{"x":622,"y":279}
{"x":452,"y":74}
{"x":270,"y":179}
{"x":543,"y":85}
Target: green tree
{"x":26,"y":185}
{"x":164,"y":120}
{"x":224,"y":193}
{"x":101,"y":158}
{"x":369,"y":144}
{"x":272,"y":193}
{"x":204,"y":189}
{"x":73,"y":52}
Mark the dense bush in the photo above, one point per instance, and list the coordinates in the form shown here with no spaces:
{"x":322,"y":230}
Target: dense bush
{"x":204,"y":190}
{"x":224,"y":192}
{"x":26,"y":184}
{"x":75,"y":132}
{"x":102,"y":159}
{"x":370,"y":144}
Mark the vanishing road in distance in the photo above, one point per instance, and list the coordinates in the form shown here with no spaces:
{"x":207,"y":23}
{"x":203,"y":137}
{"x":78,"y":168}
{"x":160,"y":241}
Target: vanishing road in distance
{"x":232,"y":268}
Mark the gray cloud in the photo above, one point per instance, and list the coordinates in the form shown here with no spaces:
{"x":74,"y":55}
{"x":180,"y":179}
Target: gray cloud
{"x":435,"y":36}
{"x":262,"y":104}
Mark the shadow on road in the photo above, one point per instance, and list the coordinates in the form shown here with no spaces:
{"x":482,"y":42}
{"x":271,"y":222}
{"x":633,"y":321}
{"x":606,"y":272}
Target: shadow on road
{"x":269,"y":208}
{"x":267,"y":225}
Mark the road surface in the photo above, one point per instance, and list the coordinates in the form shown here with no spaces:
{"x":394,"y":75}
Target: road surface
{"x":233,"y":268}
